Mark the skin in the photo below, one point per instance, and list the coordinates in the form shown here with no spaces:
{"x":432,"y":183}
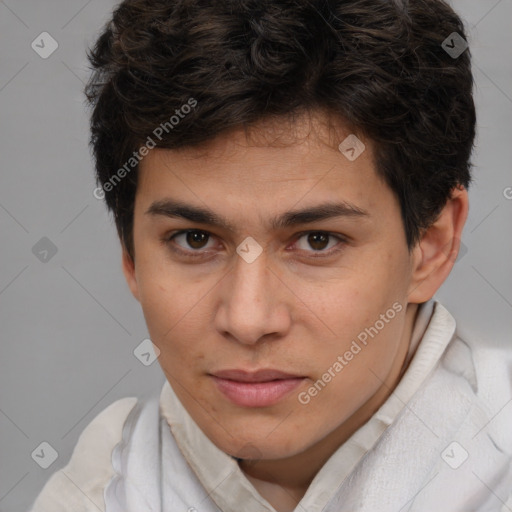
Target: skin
{"x":286,"y":310}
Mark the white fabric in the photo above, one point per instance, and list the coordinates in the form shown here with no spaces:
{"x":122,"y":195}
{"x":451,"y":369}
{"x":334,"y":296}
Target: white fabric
{"x":451,"y":392}
{"x":79,"y":486}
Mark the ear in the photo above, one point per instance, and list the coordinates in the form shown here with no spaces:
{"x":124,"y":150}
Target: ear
{"x":129,"y":273}
{"x":435,"y":254}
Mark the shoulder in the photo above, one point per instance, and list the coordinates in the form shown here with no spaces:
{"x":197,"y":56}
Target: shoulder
{"x":493,"y":375}
{"x":485,"y":365}
{"x":79,"y":485}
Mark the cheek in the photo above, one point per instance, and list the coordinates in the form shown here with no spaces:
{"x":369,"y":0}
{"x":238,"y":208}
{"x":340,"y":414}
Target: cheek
{"x":169,"y":307}
{"x":352,"y":367}
{"x":360,"y":318}
{"x":346,"y":306}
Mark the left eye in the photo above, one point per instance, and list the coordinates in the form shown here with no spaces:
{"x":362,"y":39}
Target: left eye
{"x":317,"y":240}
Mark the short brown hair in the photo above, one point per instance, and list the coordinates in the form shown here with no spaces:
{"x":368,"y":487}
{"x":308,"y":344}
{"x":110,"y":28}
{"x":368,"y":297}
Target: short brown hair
{"x":377,"y":64}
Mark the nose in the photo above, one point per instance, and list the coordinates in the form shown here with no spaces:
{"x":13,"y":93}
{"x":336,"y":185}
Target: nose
{"x":252,"y":305}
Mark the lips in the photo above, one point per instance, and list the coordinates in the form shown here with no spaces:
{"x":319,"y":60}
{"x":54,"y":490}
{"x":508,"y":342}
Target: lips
{"x":261,"y":388}
{"x":257,"y":376}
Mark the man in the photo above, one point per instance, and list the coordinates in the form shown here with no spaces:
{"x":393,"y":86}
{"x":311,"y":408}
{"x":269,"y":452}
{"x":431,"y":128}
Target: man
{"x":289,"y":184}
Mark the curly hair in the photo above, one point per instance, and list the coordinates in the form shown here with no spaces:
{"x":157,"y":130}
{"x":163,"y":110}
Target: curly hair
{"x":378,"y":65}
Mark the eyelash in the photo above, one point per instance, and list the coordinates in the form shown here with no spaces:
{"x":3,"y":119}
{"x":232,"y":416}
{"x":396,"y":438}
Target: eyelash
{"x":168,"y":241}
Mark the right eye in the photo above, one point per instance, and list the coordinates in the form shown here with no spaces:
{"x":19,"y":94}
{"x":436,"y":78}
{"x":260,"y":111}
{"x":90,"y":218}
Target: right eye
{"x":189,"y":243}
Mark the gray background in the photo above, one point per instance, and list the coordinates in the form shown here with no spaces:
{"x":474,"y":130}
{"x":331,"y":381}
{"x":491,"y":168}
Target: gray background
{"x":69,"y":325}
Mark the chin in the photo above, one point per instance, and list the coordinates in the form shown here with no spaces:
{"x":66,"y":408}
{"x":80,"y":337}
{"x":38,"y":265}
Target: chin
{"x":254,"y":447}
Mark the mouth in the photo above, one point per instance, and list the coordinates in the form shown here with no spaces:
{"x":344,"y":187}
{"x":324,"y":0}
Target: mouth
{"x":261,"y":388}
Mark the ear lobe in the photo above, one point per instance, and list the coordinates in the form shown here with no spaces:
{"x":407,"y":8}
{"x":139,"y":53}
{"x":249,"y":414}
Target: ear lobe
{"x":129,"y":273}
{"x":436,"y":252}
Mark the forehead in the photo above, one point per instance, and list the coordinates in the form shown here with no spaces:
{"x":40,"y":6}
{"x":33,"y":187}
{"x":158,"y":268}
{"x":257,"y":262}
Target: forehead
{"x":315,"y":134}
{"x":276,"y":162}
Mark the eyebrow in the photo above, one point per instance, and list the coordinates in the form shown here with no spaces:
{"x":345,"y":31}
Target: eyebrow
{"x":200,"y":215}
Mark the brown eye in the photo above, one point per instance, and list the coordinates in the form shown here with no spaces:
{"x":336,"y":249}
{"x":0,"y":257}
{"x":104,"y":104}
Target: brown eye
{"x":196,"y":239}
{"x":192,"y":240}
{"x":319,"y":242}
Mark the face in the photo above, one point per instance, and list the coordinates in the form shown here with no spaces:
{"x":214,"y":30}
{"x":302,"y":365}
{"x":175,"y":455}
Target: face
{"x":279,"y":314}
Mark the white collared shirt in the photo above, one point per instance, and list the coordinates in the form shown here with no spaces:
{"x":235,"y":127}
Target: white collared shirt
{"x":80,"y":485}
